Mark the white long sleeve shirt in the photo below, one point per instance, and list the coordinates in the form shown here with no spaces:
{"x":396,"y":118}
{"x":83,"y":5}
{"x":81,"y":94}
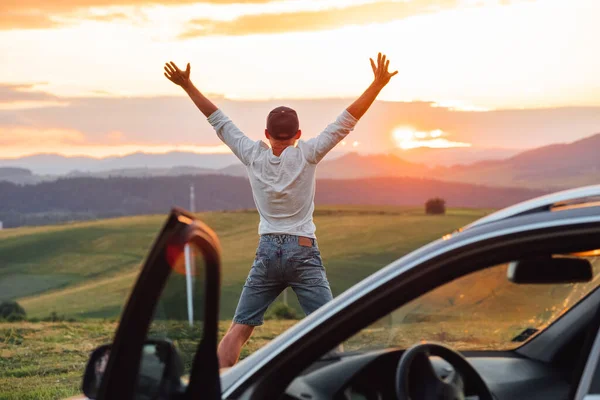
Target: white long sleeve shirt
{"x":283,"y":187}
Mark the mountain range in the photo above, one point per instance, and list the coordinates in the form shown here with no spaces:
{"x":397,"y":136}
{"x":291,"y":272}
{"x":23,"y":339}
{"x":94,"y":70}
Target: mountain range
{"x":552,"y":167}
{"x":84,"y":198}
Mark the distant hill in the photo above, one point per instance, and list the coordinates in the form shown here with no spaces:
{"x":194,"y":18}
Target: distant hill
{"x":144,"y":172}
{"x":8,"y":172}
{"x":356,"y":166}
{"x":551,"y":167}
{"x":89,"y":198}
{"x":20,"y":176}
{"x":54,"y":164}
{"x":454,"y":156}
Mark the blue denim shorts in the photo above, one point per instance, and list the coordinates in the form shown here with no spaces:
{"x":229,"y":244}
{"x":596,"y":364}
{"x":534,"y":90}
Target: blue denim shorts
{"x":281,"y":262}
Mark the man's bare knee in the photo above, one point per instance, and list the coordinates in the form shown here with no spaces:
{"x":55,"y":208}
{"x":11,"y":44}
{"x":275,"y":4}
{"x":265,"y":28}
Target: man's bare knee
{"x":232,"y":343}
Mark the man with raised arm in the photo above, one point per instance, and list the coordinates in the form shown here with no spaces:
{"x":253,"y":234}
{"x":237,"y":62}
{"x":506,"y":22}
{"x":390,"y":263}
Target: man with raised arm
{"x":282,"y":177}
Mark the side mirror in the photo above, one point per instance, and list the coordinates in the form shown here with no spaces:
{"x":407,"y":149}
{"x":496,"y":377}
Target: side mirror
{"x":161,"y":369}
{"x":550,"y":270}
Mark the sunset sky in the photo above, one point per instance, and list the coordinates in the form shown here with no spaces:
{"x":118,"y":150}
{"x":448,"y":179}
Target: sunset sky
{"x":84,"y":77}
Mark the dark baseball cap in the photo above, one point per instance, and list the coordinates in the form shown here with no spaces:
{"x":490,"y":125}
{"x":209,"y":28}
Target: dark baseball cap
{"x":282,"y":123}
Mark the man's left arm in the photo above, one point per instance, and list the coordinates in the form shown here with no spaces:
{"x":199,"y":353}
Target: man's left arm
{"x":381,"y":79}
{"x":344,"y":124}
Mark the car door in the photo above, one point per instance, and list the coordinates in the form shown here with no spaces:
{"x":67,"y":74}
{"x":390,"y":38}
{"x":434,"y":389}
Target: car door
{"x":127,"y":366}
{"x":589,"y":385}
{"x":266,"y":373}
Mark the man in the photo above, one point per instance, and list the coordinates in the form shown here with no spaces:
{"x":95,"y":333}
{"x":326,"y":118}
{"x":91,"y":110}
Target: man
{"x":282,"y":177}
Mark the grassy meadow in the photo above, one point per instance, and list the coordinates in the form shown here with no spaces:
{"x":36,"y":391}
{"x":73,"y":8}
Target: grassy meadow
{"x":85,"y":271}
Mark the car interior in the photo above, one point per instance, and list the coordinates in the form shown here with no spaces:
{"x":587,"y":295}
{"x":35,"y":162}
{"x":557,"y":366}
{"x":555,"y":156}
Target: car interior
{"x":541,"y":361}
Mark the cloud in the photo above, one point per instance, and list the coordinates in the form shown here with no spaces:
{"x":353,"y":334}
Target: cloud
{"x":38,"y":14}
{"x":109,"y":17}
{"x":270,"y":23}
{"x":23,"y":92}
{"x":11,"y":20}
{"x":68,"y":5}
{"x":257,"y":16}
{"x":117,"y":125}
{"x":24,"y":141}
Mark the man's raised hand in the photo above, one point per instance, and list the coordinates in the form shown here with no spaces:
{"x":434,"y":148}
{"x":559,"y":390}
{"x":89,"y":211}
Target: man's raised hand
{"x":382,"y":76}
{"x":177,"y":76}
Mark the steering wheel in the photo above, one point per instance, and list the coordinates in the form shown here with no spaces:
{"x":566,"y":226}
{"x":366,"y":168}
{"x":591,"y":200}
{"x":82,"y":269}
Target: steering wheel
{"x":417,"y":380}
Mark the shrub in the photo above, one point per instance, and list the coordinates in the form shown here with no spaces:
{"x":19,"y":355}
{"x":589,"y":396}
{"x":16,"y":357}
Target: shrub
{"x":54,"y":317}
{"x":15,"y":317}
{"x":435,"y":206}
{"x":11,"y":308}
{"x":281,"y":311}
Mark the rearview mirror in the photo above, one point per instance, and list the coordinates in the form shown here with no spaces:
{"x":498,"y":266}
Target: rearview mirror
{"x":159,"y":374}
{"x":550,"y":270}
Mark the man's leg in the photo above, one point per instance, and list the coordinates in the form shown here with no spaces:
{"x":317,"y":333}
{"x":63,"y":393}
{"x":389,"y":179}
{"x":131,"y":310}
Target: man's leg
{"x":312,"y":296}
{"x":232,"y":343}
{"x":261,"y":289}
{"x":306,"y":275}
{"x":309,"y":280}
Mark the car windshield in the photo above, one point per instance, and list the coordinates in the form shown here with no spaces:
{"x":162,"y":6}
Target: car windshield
{"x":479,"y":311}
{"x":179,"y":314}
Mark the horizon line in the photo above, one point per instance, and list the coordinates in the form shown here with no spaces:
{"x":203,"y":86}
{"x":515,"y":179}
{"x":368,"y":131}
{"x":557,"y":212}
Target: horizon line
{"x":230,"y":154}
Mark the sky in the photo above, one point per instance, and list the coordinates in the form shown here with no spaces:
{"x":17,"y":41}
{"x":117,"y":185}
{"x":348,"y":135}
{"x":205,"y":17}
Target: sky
{"x":84,"y":77}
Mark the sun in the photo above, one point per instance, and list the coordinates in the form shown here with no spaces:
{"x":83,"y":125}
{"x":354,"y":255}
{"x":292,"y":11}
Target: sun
{"x":409,"y":138}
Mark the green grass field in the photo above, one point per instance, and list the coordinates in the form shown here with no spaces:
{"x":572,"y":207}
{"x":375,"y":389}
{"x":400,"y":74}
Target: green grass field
{"x":85,"y":270}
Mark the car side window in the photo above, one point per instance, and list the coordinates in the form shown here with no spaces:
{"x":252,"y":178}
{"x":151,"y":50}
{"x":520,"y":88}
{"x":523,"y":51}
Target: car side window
{"x":483,"y":310}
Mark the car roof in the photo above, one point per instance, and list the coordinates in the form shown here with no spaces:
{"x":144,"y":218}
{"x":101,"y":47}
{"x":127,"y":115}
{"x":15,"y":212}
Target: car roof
{"x":586,"y":196}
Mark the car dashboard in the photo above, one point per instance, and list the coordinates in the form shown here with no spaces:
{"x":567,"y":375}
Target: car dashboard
{"x":372,"y":376}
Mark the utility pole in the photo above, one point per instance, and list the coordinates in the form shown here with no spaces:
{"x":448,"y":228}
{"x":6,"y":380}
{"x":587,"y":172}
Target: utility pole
{"x":189,"y":261}
{"x":192,"y":198}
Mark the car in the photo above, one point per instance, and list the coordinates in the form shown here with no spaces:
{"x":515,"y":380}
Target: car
{"x":504,"y":308}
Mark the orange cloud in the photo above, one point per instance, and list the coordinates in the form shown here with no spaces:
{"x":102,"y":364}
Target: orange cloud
{"x":69,"y":5}
{"x":377,"y":12}
{"x":265,"y":16}
{"x":19,"y":142}
{"x":10,"y":21}
{"x":23,"y":92}
{"x":25,"y":137}
{"x":38,"y":14}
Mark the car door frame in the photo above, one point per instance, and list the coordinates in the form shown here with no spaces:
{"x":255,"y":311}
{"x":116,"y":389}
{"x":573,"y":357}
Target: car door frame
{"x":273,"y":367}
{"x":589,"y":384}
{"x":120,"y":377}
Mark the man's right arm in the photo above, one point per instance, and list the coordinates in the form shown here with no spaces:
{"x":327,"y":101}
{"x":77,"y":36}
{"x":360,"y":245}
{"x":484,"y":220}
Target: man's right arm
{"x":242,"y":146}
{"x":204,"y":105}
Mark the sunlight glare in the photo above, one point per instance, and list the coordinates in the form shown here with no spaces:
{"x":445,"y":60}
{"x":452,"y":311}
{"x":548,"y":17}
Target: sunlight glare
{"x":408,"y":138}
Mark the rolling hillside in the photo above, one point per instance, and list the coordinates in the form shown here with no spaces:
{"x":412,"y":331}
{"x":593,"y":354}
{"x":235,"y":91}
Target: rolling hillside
{"x":86,"y":269}
{"x":92,"y":198}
